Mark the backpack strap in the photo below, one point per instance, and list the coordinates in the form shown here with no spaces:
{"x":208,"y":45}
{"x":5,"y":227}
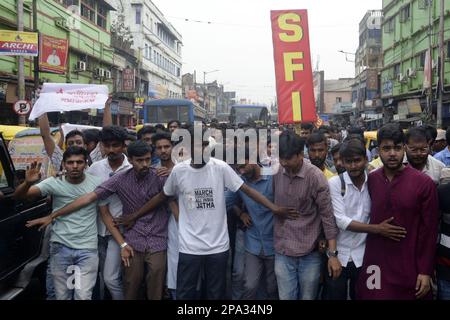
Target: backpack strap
{"x":341,"y":176}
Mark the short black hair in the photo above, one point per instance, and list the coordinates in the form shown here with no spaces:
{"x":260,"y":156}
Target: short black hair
{"x":431,"y":131}
{"x":391,"y":131}
{"x":160,"y":126}
{"x":447,"y":135}
{"x":131,"y":137}
{"x":290,"y":144}
{"x":74,"y":133}
{"x":172,"y":121}
{"x":307,"y":126}
{"x":324,"y":129}
{"x":75,"y":151}
{"x":354,"y":136}
{"x":145,"y":130}
{"x":336,"y":149}
{"x":417,"y":133}
{"x":138,"y":149}
{"x":91,"y":135}
{"x":356,"y":131}
{"x":161,"y":136}
{"x":113,"y":133}
{"x":317,"y":137}
{"x":352,"y":148}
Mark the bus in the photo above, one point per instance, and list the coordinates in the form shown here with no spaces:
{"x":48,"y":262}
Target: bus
{"x":163,"y":110}
{"x":240,"y":113}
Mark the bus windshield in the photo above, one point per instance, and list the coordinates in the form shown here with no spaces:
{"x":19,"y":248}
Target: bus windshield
{"x":164,"y":114}
{"x":245,"y":114}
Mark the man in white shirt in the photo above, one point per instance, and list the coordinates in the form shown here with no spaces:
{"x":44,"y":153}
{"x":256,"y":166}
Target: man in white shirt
{"x":202,"y":222}
{"x":418,"y":154}
{"x":351,"y":204}
{"x":53,"y":59}
{"x":111,"y":242}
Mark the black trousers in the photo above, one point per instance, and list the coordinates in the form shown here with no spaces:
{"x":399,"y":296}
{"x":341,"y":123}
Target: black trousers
{"x":192,"y":268}
{"x":336,"y":289}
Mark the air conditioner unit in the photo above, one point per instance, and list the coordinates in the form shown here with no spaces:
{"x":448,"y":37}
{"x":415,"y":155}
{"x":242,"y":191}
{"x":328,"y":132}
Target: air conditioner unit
{"x":107,"y":74}
{"x":411,"y":73}
{"x":99,"y":72}
{"x":81,"y":66}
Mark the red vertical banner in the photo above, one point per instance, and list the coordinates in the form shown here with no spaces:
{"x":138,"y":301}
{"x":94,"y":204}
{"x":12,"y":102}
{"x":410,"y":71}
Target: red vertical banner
{"x":293,"y":70}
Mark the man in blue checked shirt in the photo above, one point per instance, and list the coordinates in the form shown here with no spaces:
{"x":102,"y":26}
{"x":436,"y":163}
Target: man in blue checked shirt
{"x":259,"y":251}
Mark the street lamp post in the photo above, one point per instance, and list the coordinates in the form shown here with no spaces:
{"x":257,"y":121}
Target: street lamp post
{"x":205,"y":88}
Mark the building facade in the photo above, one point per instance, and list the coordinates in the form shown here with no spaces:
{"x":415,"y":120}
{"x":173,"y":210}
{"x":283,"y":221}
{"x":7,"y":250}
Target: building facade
{"x":85,"y":24}
{"x":410,"y":30}
{"x":368,"y":64}
{"x":157,"y":46}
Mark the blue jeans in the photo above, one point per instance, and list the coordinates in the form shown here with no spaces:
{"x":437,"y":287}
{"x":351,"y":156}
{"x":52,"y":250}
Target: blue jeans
{"x":298,"y":277}
{"x":443,"y":289}
{"x":74,"y":271}
{"x":237,"y":276}
{"x":110,"y":266}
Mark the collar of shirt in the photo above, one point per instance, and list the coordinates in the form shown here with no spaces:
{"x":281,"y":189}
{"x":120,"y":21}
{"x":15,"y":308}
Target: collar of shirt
{"x":348,"y":180}
{"x":300,"y":173}
{"x":398,"y":173}
{"x":138,"y":179}
{"x":125,"y":165}
{"x":427,"y":165}
{"x":446,"y":153}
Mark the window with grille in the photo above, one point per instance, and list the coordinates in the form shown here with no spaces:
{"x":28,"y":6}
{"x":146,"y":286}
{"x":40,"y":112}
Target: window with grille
{"x":405,"y":13}
{"x":390,"y":25}
{"x":88,"y":9}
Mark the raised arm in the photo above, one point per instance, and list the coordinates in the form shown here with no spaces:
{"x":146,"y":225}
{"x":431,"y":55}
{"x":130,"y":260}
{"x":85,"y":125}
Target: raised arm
{"x":26,"y":191}
{"x":44,"y":128}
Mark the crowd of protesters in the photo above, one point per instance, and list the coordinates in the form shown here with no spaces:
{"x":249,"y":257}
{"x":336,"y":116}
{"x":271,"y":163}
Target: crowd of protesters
{"x":320,"y":217}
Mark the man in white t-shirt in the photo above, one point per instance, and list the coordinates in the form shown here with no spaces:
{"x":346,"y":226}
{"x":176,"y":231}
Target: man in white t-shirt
{"x":202,"y":221}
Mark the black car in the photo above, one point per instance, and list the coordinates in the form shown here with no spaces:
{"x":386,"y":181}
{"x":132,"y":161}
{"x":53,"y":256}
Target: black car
{"x":23,"y":251}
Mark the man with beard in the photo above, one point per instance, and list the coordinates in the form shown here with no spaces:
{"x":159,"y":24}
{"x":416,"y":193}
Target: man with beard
{"x":337,"y":158}
{"x":148,"y":236}
{"x":259,"y":252}
{"x":301,"y":185}
{"x":73,"y":241}
{"x":163,"y":149}
{"x":418,"y":154}
{"x":399,"y":269}
{"x":318,"y":151}
{"x":111,"y":242}
{"x":351,"y":204}
{"x":200,"y":184}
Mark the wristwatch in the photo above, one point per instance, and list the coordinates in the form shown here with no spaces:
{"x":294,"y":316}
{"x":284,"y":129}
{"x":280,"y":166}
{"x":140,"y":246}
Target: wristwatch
{"x":333,"y":254}
{"x":123,"y":245}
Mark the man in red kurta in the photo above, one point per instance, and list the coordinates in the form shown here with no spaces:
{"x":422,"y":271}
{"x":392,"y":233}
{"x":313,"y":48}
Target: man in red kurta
{"x":399,"y":269}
